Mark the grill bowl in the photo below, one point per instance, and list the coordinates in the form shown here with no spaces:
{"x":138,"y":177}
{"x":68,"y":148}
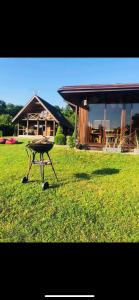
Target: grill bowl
{"x":41,"y":148}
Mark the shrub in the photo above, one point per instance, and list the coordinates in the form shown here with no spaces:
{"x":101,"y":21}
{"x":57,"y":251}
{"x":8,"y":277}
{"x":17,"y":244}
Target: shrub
{"x":1,"y":133}
{"x":70,"y":141}
{"x":59,"y":139}
{"x":59,"y":130}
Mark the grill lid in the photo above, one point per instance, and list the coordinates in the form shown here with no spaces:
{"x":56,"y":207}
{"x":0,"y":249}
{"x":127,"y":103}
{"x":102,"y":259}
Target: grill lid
{"x":41,"y":145}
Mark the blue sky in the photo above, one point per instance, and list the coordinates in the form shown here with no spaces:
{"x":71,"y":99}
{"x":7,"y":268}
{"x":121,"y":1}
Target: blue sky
{"x":20,"y":78}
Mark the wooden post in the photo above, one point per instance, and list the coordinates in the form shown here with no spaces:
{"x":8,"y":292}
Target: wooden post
{"x":27,"y":124}
{"x":37,"y":127}
{"x":104,"y":129}
{"x":123,"y":121}
{"x":45,"y":127}
{"x":83,"y":120}
{"x":131,"y":112}
{"x":18,"y":129}
{"x":75,"y":137}
{"x":54,"y":128}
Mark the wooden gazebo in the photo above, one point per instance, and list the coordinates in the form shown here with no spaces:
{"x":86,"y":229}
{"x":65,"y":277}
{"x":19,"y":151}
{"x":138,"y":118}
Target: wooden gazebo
{"x":38,"y":117}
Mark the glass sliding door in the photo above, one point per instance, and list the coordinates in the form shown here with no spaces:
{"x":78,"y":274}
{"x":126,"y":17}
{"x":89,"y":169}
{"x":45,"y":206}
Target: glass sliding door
{"x":96,"y":113}
{"x":128,"y":120}
{"x":117,"y":117}
{"x":135,"y":118}
{"x":113,"y":116}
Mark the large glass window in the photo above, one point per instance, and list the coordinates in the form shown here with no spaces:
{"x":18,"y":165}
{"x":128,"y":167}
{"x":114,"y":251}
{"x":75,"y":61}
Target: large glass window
{"x":135,"y":115}
{"x":96,"y":115}
{"x":109,"y":116}
{"x":127,"y":107}
{"x":113,"y":115}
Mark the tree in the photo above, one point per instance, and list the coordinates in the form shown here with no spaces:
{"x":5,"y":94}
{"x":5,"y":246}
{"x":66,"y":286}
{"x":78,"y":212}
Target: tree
{"x":2,"y":107}
{"x":68,"y":113}
{"x":59,"y":138}
{"x":57,"y":107}
{"x":13,"y":109}
{"x":5,"y":119}
{"x":6,"y":126}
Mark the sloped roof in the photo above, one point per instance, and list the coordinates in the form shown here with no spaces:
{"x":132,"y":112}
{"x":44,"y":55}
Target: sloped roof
{"x":76,"y":93}
{"x":99,"y":87}
{"x":56,"y":113}
{"x":53,"y":110}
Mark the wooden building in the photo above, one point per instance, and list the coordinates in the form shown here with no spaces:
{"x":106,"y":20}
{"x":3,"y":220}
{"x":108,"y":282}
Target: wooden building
{"x":38,"y":117}
{"x":106,"y":114}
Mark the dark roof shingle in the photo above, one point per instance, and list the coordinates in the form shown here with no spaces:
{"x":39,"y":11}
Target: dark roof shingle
{"x":56,"y":113}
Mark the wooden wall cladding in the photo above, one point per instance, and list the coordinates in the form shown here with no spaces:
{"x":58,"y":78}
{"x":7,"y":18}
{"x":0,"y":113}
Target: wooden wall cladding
{"x":83,"y":119}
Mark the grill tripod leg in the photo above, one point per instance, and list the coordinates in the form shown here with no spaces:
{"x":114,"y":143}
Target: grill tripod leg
{"x":42,"y":167}
{"x":31,"y":160}
{"x":45,"y":185}
{"x":25,"y":179}
{"x":30,"y":165}
{"x":52,"y":166}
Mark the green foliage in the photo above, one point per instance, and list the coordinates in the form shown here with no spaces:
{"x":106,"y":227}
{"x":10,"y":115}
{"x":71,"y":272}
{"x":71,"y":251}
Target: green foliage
{"x":9,"y":108}
{"x":58,"y":108}
{"x":91,"y":202}
{"x":70,"y":141}
{"x":1,"y":133}
{"x":5,"y":124}
{"x":59,"y":139}
{"x":13,"y":109}
{"x":2,"y":107}
{"x":59,"y":130}
{"x":5,"y":119}
{"x":68,"y":113}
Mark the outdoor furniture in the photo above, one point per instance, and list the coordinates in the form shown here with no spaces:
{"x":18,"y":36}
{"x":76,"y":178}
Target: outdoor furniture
{"x":111,"y":137}
{"x":2,"y":141}
{"x":11,"y":141}
{"x":96,"y":135}
{"x":41,"y":148}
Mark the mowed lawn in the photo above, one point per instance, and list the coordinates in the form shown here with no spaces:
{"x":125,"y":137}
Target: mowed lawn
{"x":95,"y":200}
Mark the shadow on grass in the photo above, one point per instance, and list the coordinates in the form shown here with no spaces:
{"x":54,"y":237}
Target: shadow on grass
{"x":30,"y":181}
{"x":106,"y":171}
{"x":82,"y":176}
{"x":56,"y":185}
{"x":101,"y":172}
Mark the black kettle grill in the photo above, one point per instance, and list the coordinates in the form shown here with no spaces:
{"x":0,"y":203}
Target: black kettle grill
{"x":41,"y":148}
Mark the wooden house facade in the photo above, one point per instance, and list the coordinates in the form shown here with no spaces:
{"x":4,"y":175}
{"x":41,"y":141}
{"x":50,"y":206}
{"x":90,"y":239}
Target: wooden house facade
{"x":106,"y":114}
{"x":38,"y":117}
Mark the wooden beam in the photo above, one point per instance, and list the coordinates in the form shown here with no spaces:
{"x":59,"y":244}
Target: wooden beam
{"x":27,"y":124}
{"x":75,"y":137}
{"x":18,"y":129}
{"x":45,"y":127}
{"x":123,"y":121}
{"x":37,"y":127}
{"x":54,"y":126}
{"x":83,"y":120}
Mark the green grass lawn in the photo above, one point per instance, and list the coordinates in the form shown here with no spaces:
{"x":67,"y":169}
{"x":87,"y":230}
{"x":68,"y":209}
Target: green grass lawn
{"x":95,"y":200}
